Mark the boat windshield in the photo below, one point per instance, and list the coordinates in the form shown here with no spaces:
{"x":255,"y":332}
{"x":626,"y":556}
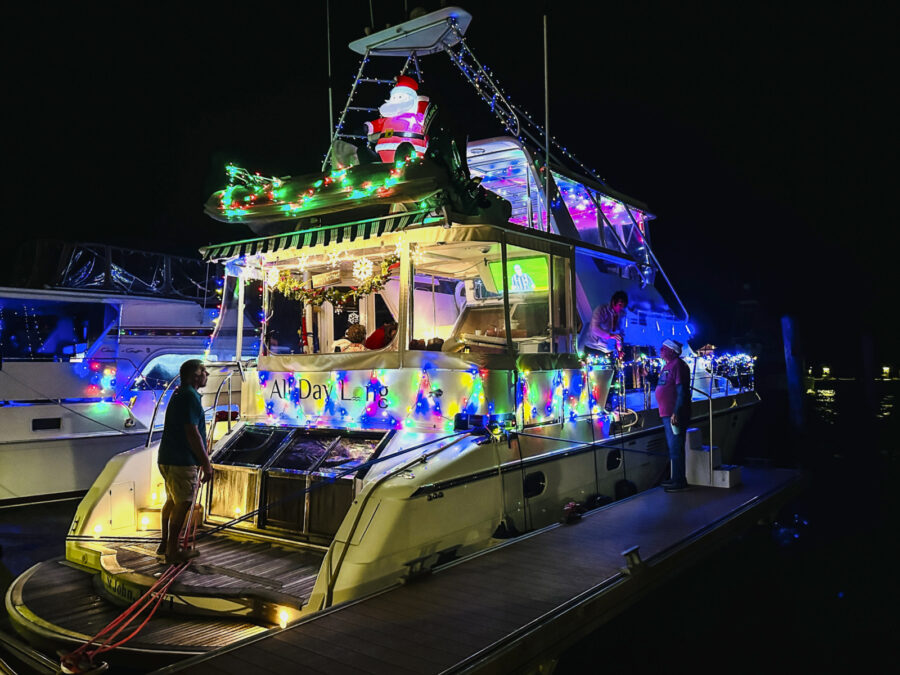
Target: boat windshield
{"x":459,"y":303}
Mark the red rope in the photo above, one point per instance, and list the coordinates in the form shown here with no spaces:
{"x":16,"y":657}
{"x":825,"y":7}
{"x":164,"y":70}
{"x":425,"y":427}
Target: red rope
{"x":156,"y":592}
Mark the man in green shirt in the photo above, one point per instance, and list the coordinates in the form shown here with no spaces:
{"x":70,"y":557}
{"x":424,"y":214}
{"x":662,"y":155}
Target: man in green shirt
{"x":182,"y":458}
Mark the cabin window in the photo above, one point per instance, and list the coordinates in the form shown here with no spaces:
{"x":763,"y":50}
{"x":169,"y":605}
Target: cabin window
{"x":312,"y":304}
{"x":160,"y":370}
{"x":563,"y":307}
{"x":457,"y":304}
{"x":533,"y":484}
{"x":613,"y":460}
{"x":52,"y":330}
{"x":436,"y":304}
{"x":528,"y":274}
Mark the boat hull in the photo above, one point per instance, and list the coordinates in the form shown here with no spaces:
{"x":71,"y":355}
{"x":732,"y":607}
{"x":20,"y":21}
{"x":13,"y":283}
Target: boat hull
{"x":58,"y":468}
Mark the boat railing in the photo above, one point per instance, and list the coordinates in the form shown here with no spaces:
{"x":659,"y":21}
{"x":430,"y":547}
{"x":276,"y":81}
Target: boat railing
{"x":156,"y":410}
{"x":239,"y":369}
{"x":710,"y":413}
{"x":709,"y":400}
{"x":715,"y":379}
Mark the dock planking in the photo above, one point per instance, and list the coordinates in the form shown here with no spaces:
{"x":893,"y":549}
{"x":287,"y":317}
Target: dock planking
{"x":476,"y":614}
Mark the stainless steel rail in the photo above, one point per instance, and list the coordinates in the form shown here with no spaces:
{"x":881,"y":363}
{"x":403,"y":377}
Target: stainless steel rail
{"x":156,"y":410}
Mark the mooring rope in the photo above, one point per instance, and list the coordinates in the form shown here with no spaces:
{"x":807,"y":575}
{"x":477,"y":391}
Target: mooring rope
{"x":81,"y":659}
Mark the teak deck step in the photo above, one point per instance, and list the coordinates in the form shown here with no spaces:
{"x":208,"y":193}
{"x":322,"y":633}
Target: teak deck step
{"x":227,"y":568}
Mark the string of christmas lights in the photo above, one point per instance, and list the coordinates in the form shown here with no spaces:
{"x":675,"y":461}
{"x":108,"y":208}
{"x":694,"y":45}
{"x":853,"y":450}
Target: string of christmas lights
{"x":516,"y":111}
{"x":248,"y":192}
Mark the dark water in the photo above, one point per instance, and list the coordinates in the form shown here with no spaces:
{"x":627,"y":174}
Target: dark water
{"x":817,"y":591}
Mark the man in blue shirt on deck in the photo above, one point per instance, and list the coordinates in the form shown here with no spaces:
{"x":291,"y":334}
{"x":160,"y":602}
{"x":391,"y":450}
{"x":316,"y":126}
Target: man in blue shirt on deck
{"x":182,"y":457}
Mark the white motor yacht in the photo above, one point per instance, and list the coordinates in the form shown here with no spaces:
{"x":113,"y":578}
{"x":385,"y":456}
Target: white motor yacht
{"x":85,"y":362}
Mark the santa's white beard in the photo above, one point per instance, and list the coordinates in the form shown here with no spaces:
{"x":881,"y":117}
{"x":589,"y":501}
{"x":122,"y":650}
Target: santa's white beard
{"x":389,"y":109}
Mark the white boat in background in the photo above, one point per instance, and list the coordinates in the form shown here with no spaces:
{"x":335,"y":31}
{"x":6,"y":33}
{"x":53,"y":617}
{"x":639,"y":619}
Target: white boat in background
{"x":83,"y":364}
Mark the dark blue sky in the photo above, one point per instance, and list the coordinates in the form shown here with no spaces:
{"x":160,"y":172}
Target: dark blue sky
{"x":761,"y":137}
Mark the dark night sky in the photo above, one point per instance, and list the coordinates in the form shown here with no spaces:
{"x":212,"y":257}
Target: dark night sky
{"x":759,"y":136}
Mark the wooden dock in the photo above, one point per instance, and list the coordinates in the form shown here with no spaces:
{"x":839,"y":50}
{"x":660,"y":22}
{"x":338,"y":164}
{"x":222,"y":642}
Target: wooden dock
{"x":520,"y":605}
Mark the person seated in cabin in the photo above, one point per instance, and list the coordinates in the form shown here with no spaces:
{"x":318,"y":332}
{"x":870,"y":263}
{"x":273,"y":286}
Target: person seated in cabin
{"x":383,"y":336}
{"x":435,"y":344}
{"x":342,"y":344}
{"x":416,"y":344}
{"x":604,"y":335}
{"x":356,"y":335}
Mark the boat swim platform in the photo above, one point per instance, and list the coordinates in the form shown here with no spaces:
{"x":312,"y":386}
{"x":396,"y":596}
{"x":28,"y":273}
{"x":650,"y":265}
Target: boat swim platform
{"x":235,"y":589}
{"x":516,"y":606}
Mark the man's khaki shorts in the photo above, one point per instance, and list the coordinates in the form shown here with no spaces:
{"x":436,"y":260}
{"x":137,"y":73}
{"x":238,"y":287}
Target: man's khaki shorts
{"x":181,"y":481}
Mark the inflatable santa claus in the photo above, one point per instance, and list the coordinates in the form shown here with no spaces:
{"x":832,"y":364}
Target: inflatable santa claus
{"x":404,"y":119}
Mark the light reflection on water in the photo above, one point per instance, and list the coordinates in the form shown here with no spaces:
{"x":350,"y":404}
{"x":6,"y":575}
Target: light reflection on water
{"x":885,"y":407}
{"x":828,"y":403}
{"x":824,"y":403}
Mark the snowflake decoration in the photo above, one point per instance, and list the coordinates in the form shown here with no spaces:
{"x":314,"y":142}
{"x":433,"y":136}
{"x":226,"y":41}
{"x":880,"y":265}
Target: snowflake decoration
{"x":417,"y":255}
{"x":335,"y":256}
{"x":362,"y":269}
{"x":302,"y":263}
{"x":401,"y":244}
{"x":353,"y":317}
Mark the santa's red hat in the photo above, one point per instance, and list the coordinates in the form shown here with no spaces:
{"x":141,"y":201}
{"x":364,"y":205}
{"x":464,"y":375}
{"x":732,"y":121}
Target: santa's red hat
{"x":406,"y":82}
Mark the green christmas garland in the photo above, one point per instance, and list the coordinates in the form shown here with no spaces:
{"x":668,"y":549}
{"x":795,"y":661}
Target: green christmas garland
{"x":294,"y":289}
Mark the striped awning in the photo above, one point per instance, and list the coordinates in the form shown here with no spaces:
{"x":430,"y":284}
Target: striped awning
{"x":321,"y":236}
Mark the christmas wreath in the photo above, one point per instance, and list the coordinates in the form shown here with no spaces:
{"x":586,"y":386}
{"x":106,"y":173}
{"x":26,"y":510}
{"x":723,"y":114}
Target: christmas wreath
{"x":296,"y":289}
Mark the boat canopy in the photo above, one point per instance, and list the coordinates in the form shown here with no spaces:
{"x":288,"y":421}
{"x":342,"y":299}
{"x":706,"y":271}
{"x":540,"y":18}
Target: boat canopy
{"x":408,"y":222}
{"x":318,"y":236}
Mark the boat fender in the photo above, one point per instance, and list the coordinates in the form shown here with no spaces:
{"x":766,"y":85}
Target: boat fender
{"x":572,"y":513}
{"x":505,"y":530}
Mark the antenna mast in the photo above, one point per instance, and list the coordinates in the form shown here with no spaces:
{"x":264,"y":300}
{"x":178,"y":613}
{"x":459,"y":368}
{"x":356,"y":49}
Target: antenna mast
{"x":328,"y":47}
{"x":546,"y":128}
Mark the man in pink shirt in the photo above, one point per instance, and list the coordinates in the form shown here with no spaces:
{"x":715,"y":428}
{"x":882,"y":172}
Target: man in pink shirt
{"x":673,"y":396}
